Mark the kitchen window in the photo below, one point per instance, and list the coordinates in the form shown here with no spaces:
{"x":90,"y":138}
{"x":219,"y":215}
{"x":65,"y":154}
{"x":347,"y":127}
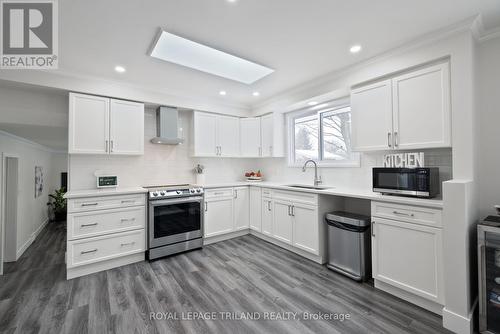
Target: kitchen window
{"x":322,"y":133}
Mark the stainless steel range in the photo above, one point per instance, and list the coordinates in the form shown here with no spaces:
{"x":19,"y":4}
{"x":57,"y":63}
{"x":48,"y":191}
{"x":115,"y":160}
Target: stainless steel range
{"x":175,"y":219}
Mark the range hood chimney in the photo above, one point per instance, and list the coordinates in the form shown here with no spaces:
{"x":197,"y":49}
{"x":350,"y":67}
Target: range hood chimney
{"x":167,"y":127}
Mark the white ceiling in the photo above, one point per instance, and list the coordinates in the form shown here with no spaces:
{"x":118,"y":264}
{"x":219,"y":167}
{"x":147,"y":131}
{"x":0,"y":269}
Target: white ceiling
{"x":300,"y":39}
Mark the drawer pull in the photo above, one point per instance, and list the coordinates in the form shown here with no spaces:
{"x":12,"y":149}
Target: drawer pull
{"x":218,"y":193}
{"x":89,"y":204}
{"x":89,"y":251}
{"x":128,"y":244}
{"x":123,"y":220}
{"x":128,"y":201}
{"x":403,"y":214}
{"x":88,"y":225}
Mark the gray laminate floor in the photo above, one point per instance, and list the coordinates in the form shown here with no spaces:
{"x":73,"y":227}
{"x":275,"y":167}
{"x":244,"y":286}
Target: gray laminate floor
{"x":236,"y":276}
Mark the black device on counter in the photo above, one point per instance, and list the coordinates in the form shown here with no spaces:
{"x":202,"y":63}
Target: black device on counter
{"x":415,"y":182}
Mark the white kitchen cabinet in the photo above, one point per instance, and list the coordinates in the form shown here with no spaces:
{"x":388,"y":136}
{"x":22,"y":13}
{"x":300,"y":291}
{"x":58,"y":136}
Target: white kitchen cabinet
{"x":421,"y":102}
{"x":255,"y":209}
{"x":99,"y":125}
{"x":218,"y":218}
{"x":305,"y":227}
{"x":88,"y":131}
{"x":216,"y":135}
{"x":267,"y":216}
{"x":371,"y":117}
{"x":126,"y":128}
{"x":408,"y":256}
{"x":283,"y":222}
{"x":241,"y":208}
{"x":408,"y":111}
{"x":272,"y":135}
{"x":250,"y":143}
{"x":205,"y":134}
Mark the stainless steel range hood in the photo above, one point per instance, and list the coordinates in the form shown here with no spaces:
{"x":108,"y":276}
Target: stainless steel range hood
{"x":167,"y":127}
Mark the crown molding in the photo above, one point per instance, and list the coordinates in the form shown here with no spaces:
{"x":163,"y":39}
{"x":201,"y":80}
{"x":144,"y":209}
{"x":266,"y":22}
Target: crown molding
{"x":31,"y":143}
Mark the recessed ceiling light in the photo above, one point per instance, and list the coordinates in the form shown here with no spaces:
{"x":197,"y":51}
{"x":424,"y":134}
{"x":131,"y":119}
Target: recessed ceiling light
{"x":232,"y":1}
{"x":256,"y":94}
{"x":355,"y":48}
{"x":312,"y":103}
{"x":222,"y":92}
{"x":120,"y":69}
{"x":182,"y":51}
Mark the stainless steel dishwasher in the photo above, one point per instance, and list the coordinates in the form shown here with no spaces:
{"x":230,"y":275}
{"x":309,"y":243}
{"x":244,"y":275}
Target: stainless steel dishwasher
{"x":349,"y":244}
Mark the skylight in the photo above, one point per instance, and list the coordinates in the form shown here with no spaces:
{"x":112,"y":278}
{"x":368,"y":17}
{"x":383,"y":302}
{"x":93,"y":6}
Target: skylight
{"x":181,"y":51}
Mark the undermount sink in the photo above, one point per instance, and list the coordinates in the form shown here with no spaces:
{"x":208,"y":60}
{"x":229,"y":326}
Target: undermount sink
{"x":305,"y":186}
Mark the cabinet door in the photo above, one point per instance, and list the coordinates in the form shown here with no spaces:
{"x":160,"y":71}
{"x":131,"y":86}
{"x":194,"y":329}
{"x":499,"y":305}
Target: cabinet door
{"x":250,"y":137}
{"x":255,"y":209}
{"x":266,"y":126}
{"x":282,"y":223}
{"x":218,"y":217}
{"x":241,"y":208}
{"x":421,"y":102}
{"x":126,"y":127}
{"x":228,"y":135}
{"x":306,"y":228}
{"x":204,"y":131}
{"x":267,"y":216}
{"x":88,"y":130}
{"x":371,"y":121}
{"x":409,"y":257}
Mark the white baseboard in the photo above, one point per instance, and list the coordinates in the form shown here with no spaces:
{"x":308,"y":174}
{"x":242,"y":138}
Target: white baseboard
{"x":457,"y":323}
{"x":227,"y":236}
{"x":30,"y":240}
{"x":104,"y":265}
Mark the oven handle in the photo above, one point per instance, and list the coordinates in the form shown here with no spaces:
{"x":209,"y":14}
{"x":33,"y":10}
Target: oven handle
{"x":198,"y":199}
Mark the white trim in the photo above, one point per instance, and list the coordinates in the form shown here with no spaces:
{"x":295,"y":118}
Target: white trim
{"x":31,"y":239}
{"x":104,"y":265}
{"x":31,"y":143}
{"x":489,"y":34}
{"x":458,"y":323}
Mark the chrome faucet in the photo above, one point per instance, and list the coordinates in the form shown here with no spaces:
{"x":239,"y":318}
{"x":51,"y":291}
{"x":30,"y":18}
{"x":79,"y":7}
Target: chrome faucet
{"x":317,"y":179}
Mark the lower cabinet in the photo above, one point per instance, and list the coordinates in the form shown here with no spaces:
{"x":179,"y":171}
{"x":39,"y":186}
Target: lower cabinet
{"x":255,"y":209}
{"x":283,"y":222}
{"x":218,"y":216}
{"x":241,"y":207}
{"x":305,"y":233}
{"x":267,"y":216}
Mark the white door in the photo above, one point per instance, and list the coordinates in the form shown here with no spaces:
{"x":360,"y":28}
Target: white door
{"x":305,"y":228}
{"x":218,"y":217}
{"x":267,"y":216}
{"x":282,"y":223}
{"x":421,"y":100}
{"x":126,"y":128}
{"x":205,"y":134}
{"x":371,"y":121}
{"x":228,"y":135}
{"x":409,"y":257}
{"x":250,"y":137}
{"x":255,"y":209}
{"x":266,"y":126}
{"x":88,"y":130}
{"x":241,"y":208}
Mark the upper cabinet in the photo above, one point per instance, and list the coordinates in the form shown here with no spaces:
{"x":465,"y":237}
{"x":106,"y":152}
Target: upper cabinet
{"x":250,"y":145}
{"x":409,"y":111}
{"x":216,"y":135}
{"x":99,"y":125}
{"x":272,"y":135}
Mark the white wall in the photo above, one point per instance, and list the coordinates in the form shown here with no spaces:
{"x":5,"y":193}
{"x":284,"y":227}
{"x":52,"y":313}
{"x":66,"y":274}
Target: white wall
{"x":489,"y":122}
{"x":160,"y":164}
{"x":32,"y":212}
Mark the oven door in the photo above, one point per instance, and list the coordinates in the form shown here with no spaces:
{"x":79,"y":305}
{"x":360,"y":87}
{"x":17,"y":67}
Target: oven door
{"x":175,"y":220}
{"x":395,"y":181}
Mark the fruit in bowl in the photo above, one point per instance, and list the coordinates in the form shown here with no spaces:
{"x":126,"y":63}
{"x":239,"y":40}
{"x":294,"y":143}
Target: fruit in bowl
{"x":253,"y":176}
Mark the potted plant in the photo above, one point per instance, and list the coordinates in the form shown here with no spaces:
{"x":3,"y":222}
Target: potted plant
{"x":57,"y":204}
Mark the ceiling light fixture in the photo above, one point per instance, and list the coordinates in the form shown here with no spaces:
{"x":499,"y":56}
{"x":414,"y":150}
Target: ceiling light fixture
{"x":120,"y":69}
{"x":182,"y":51}
{"x":355,"y":48}
{"x":222,"y":92}
{"x":256,"y":94}
{"x":312,"y":103}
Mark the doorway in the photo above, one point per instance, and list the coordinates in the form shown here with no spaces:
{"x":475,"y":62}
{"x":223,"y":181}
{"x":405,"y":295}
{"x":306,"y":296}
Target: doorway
{"x":9,"y":203}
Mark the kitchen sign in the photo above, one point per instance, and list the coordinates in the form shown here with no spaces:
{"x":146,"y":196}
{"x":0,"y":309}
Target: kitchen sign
{"x":408,"y":160}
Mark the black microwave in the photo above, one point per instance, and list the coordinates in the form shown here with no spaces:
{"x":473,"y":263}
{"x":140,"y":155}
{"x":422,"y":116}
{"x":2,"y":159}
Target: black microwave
{"x":415,"y":182}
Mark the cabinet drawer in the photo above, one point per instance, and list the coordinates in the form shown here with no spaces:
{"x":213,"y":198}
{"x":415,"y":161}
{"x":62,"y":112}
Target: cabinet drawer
{"x":408,"y":213}
{"x":91,"y":224}
{"x":220,"y":192}
{"x":296,"y":197}
{"x":266,"y":192}
{"x":105,"y":202}
{"x":92,"y":250}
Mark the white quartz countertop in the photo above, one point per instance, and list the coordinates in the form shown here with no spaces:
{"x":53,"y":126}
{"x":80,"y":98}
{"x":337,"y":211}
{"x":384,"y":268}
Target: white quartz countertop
{"x":336,"y":191}
{"x":105,"y":192}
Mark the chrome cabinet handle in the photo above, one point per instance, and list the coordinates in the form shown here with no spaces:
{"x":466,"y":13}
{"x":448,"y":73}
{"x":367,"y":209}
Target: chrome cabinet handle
{"x":87,"y":225}
{"x":268,"y":205}
{"x":389,"y":141}
{"x":128,"y":244}
{"x":127,"y":220}
{"x":396,"y":139}
{"x":89,"y":204}
{"x":235,"y":194}
{"x":112,"y":146}
{"x":89,"y":251}
{"x":128,"y":201}
{"x":289,"y":210}
{"x":260,"y":151}
{"x":206,"y":206}
{"x":219,"y":193}
{"x":106,"y":146}
{"x":373,"y":229}
{"x":403,"y":214}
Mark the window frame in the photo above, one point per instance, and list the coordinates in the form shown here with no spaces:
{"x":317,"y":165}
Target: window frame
{"x":320,"y":114}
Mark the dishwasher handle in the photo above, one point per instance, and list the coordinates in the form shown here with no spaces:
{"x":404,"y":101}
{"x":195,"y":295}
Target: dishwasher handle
{"x":347,"y":227}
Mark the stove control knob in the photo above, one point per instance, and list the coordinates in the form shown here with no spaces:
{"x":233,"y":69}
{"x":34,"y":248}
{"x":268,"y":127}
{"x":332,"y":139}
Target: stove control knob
{"x":178,"y":192}
{"x":162,"y":193}
{"x":155,"y":194}
{"x":198,"y":190}
{"x":191,"y":191}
